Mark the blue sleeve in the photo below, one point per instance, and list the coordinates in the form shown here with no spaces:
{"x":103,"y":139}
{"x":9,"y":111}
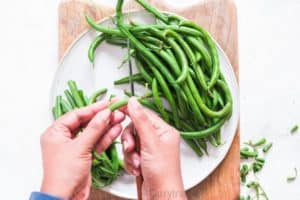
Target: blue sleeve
{"x":42,"y":196}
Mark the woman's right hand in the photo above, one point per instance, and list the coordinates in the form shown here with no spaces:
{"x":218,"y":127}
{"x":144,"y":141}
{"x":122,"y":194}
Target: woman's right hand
{"x":159,"y":159}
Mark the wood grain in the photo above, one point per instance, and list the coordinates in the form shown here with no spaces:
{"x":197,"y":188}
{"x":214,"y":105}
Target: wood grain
{"x":219,"y":17}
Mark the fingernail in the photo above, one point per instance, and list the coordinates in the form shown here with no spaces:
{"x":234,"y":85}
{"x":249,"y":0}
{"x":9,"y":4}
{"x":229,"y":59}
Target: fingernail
{"x":136,"y":163}
{"x":125,"y":145}
{"x":136,"y":172}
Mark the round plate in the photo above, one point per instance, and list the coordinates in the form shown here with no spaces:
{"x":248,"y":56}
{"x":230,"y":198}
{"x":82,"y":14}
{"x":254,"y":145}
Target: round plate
{"x":76,"y":66}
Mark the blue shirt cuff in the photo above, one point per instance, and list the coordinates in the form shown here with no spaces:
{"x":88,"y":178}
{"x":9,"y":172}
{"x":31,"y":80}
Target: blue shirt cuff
{"x":42,"y":196}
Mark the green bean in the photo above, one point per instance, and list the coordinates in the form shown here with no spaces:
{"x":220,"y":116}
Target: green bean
{"x":100,"y":28}
{"x":267,"y":147}
{"x":183,"y":63}
{"x":96,"y":94}
{"x":213,"y":50}
{"x":112,"y":151}
{"x":248,"y":153}
{"x":218,"y":136}
{"x":70,"y":99}
{"x":202,"y":144}
{"x":182,"y":106}
{"x":179,"y":29}
{"x":142,"y":28}
{"x":152,"y":40}
{"x":190,"y":55}
{"x":86,"y":100}
{"x":176,"y":69}
{"x":152,"y":10}
{"x":244,"y":172}
{"x":148,"y":104}
{"x":58,"y":111}
{"x":120,"y":43}
{"x":140,"y":47}
{"x":124,"y":80}
{"x":82,"y":97}
{"x":166,"y":92}
{"x":260,"y":160}
{"x":194,"y":146}
{"x":92,"y":49}
{"x":292,"y":178}
{"x":75,"y":93}
{"x":167,"y":58}
{"x":201,"y":49}
{"x":127,"y":57}
{"x":118,"y":105}
{"x":260,"y":142}
{"x":245,"y":149}
{"x":157,"y":101}
{"x":294,"y":129}
{"x":204,"y":133}
{"x":143,"y":72}
{"x":65,"y":106}
{"x":224,"y":111}
{"x":212,"y":141}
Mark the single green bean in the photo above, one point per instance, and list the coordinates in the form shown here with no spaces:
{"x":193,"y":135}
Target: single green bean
{"x":93,"y":46}
{"x":158,"y":102}
{"x":81,"y":94}
{"x":75,"y":93}
{"x":118,"y":104}
{"x":143,"y":72}
{"x":70,"y":99}
{"x":152,"y":10}
{"x":248,"y":153}
{"x":204,"y":133}
{"x":267,"y":147}
{"x":294,"y":129}
{"x":58,"y":111}
{"x":65,"y":106}
{"x":97,"y":27}
{"x":124,"y":80}
{"x":260,"y":142}
{"x":96,"y":94}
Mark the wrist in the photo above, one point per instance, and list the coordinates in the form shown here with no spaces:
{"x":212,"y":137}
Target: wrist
{"x":56,"y":189}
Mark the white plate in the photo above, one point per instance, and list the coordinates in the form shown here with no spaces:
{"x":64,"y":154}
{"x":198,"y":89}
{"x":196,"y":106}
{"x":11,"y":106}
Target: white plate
{"x":76,"y":66}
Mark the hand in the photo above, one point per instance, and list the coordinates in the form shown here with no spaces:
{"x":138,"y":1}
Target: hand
{"x":159,"y":158}
{"x":67,"y":159}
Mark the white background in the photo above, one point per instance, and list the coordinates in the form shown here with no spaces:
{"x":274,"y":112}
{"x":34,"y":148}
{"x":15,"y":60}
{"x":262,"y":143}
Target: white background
{"x":269,"y":78}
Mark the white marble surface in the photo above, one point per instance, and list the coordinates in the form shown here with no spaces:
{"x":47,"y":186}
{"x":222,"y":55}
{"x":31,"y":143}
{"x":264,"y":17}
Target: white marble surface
{"x":269,"y":72}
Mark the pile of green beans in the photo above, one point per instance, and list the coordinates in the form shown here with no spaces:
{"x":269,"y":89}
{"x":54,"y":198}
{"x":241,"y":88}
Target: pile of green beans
{"x":178,"y":59}
{"x":107,"y":165}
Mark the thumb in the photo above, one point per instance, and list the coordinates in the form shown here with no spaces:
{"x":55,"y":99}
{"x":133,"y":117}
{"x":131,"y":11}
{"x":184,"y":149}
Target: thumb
{"x":143,"y":120}
{"x":95,"y":129}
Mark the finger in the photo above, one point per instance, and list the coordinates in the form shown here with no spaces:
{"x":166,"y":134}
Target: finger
{"x":95,"y":129}
{"x":132,"y":170}
{"x":117,"y":117}
{"x":108,"y":138}
{"x":74,"y":119}
{"x":133,"y":159}
{"x":127,"y":139}
{"x":143,"y":120}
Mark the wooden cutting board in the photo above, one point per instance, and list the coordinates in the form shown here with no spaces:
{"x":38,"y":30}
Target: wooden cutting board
{"x":219,"y":17}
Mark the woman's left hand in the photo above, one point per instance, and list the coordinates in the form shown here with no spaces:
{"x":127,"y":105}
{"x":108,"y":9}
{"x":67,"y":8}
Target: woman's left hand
{"x":67,"y":159}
